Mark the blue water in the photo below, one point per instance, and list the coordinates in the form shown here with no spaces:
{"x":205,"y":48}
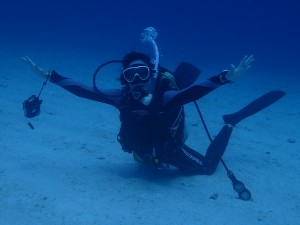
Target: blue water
{"x":71,"y":170}
{"x":210,"y":33}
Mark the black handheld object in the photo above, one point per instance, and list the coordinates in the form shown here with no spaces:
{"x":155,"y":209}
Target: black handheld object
{"x":32,"y":105}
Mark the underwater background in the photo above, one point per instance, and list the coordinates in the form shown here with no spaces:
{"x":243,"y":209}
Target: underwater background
{"x":207,"y":33}
{"x":71,"y":170}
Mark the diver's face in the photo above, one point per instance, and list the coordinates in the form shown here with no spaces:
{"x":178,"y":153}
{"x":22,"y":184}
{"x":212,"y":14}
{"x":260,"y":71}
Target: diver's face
{"x":137,"y":75}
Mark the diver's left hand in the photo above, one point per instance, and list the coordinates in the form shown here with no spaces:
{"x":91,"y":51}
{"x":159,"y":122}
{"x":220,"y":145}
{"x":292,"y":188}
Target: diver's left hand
{"x":244,"y":65}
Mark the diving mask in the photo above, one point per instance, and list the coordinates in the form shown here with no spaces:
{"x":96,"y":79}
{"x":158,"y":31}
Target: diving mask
{"x":140,"y":72}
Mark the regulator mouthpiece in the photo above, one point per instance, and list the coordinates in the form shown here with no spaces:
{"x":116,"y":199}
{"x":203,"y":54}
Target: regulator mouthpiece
{"x":147,"y":100}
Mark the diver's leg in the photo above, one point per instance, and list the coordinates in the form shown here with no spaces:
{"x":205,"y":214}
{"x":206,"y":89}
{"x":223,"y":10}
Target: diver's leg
{"x":188,"y":160}
{"x":192,"y":162}
{"x":253,"y":107}
{"x":217,"y":148}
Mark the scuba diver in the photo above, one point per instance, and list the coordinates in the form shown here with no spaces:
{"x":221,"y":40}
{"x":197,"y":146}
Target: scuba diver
{"x":151,"y":105}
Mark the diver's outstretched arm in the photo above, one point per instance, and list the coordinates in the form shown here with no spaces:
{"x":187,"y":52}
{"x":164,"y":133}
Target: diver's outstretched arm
{"x":196,"y":91}
{"x":109,"y":96}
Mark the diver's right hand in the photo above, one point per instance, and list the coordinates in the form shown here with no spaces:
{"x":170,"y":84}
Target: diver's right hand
{"x":244,"y":65}
{"x":36,"y":69}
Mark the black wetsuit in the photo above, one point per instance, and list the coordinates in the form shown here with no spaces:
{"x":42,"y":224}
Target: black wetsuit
{"x":155,"y":133}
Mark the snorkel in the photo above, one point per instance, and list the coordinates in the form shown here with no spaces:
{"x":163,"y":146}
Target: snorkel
{"x":149,"y":35}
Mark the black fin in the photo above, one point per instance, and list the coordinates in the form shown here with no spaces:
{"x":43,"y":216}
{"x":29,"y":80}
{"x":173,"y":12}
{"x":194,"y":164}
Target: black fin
{"x":254,"y":107}
{"x":186,"y":74}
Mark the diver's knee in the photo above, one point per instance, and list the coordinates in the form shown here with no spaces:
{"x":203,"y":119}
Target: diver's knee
{"x":209,"y":171}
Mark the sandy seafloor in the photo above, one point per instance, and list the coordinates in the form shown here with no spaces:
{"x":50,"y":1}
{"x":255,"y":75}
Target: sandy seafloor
{"x":71,"y":169}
